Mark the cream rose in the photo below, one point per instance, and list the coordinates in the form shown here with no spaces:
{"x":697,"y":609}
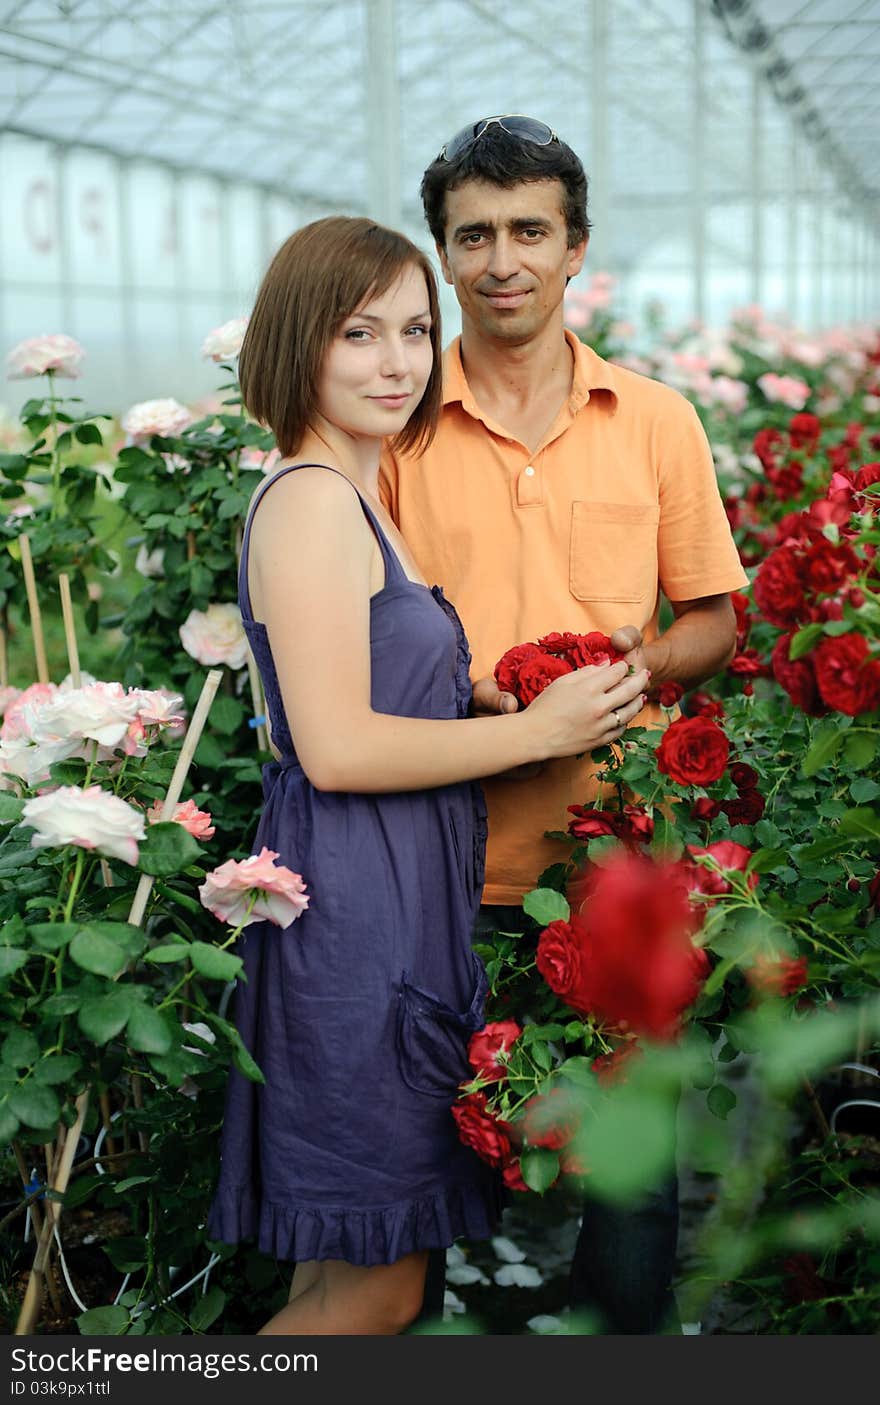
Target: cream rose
{"x":55,"y":355}
{"x":215,"y":635}
{"x":90,"y":819}
{"x":149,"y":417}
{"x":224,"y":343}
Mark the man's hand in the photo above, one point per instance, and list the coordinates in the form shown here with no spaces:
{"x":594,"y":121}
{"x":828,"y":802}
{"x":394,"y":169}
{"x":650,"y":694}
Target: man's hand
{"x":628,"y":641}
{"x":488,"y":700}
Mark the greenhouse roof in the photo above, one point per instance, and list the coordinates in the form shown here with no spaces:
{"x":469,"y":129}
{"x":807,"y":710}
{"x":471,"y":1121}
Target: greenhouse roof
{"x":331,"y":103}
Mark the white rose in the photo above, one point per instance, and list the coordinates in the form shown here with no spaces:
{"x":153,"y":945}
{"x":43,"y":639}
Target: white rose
{"x":165,"y":417}
{"x":215,"y":636}
{"x":150,"y":563}
{"x":91,"y":819}
{"x":224,"y":343}
{"x":101,"y":712}
{"x":38,"y":356}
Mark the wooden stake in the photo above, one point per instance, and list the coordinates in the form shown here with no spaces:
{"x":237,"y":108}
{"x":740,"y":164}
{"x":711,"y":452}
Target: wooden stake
{"x":257,"y":700}
{"x":69,"y":631}
{"x":27,"y":565}
{"x":4,"y":659}
{"x":190,"y":742}
{"x":30,"y":1308}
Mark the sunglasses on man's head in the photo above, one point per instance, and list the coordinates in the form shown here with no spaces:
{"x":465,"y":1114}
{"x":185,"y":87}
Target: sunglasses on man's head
{"x":514,"y":123}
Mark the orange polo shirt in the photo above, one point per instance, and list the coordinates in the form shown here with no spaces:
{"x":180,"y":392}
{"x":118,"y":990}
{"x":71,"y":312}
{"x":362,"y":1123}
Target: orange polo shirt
{"x":619,"y":501}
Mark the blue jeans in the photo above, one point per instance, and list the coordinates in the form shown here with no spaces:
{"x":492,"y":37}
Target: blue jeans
{"x":625,"y":1257}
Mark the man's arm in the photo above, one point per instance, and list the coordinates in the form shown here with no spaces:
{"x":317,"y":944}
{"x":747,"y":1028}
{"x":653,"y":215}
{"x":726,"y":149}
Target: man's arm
{"x":700,"y":641}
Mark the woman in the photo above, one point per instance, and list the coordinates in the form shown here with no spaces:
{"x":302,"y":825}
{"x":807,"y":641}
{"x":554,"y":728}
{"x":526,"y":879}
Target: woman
{"x":346,"y":1160}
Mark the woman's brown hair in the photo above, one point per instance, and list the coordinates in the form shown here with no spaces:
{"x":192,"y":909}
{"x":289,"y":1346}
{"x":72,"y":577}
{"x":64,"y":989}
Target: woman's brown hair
{"x":319,"y":277}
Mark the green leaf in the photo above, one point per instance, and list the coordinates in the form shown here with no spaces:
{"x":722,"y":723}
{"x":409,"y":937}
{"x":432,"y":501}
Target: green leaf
{"x":35,"y":1105}
{"x":861,"y":824}
{"x":126,"y":1253}
{"x":11,"y":958}
{"x":102,"y":1017}
{"x":864,"y":789}
{"x":88,"y":434}
{"x":578,"y":1070}
{"x":129,"y":1183}
{"x":10,"y":808}
{"x":168,"y":848}
{"x":539,"y":1168}
{"x":147,"y":1030}
{"x":52,"y":936}
{"x":9,"y":1125}
{"x":226,"y":714}
{"x":210,"y":961}
{"x":20,"y":1049}
{"x":103,"y":1322}
{"x":545,"y":905}
{"x":803,"y":641}
{"x":169,"y":951}
{"x":240,"y":1056}
{"x":96,"y":953}
{"x":542,"y":1056}
{"x":826,"y":744}
{"x":207,"y":1309}
{"x":57,"y":1068}
{"x":721,"y":1100}
{"x":859,"y":751}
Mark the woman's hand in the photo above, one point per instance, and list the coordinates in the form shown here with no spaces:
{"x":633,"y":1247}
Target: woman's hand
{"x":588,"y":708}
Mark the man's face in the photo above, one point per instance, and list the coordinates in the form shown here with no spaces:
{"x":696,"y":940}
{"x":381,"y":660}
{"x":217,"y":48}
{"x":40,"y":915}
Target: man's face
{"x":507,"y":256}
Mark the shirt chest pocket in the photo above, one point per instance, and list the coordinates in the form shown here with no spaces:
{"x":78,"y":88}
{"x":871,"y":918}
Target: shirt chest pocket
{"x":613,"y":551}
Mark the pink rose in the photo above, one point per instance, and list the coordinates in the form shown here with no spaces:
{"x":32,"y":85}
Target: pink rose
{"x":280,"y":894}
{"x":785,"y":390}
{"x":100,"y":712}
{"x":157,"y":707}
{"x":8,"y":696}
{"x":166,"y":417}
{"x":16,"y":721}
{"x":196,"y":822}
{"x":224,"y":342}
{"x":215,"y":636}
{"x":260,"y":460}
{"x":90,"y":819}
{"x":55,"y":355}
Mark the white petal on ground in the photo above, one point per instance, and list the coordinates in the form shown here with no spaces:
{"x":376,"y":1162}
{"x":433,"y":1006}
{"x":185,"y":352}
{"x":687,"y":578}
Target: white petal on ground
{"x":451,"y":1305}
{"x":506,"y":1250}
{"x":518,"y":1275}
{"x":546,"y":1326}
{"x":463,"y":1274}
{"x":455,"y":1257}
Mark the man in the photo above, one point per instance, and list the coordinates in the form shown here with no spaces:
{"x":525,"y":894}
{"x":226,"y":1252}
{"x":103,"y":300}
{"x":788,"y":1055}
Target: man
{"x":560,"y":493}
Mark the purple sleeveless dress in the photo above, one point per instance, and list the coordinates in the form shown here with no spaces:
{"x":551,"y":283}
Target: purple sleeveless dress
{"x":359,"y":1014}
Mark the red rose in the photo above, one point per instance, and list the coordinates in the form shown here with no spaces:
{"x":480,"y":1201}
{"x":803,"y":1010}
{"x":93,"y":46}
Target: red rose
{"x":779,"y":587}
{"x":869,"y":473}
{"x":508,"y":666}
{"x":765,"y":445}
{"x":728,"y":856}
{"x":551,"y":1119}
{"x":705,"y":809}
{"x":668,"y":694}
{"x":747,"y":808}
{"x":611,"y":1068}
{"x":874,"y":889}
{"x":638,"y":959}
{"x":786,"y":481}
{"x":702,"y":704}
{"x":635,"y":825}
{"x":590,"y":824}
{"x":777,"y":975}
{"x":740,"y":604}
{"x":481,"y":1130}
{"x":512,"y":1176}
{"x":537,"y":673}
{"x":847,"y":675}
{"x":487,"y":1044}
{"x":804,"y":431}
{"x":748,"y":664}
{"x":592,"y":649}
{"x":797,"y":677}
{"x":744,"y":777}
{"x":826,"y":567}
{"x":693,"y":751}
{"x":559,"y":961}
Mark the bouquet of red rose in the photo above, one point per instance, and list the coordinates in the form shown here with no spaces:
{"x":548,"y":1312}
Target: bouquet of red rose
{"x":527,"y":669}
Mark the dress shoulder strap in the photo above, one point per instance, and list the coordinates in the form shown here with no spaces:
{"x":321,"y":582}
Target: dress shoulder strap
{"x":393,"y":569}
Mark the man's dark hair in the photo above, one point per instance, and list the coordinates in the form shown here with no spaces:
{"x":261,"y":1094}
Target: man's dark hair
{"x":505,"y":160}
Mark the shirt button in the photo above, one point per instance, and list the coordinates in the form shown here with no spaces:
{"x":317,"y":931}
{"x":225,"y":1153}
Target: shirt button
{"x":530,"y":472}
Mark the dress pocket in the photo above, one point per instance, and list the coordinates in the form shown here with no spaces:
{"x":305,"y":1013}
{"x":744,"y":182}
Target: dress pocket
{"x":613,"y":551}
{"x":432,"y":1038}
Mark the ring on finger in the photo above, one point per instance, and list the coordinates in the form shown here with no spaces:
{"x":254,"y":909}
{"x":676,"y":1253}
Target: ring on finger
{"x":617,"y":722}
